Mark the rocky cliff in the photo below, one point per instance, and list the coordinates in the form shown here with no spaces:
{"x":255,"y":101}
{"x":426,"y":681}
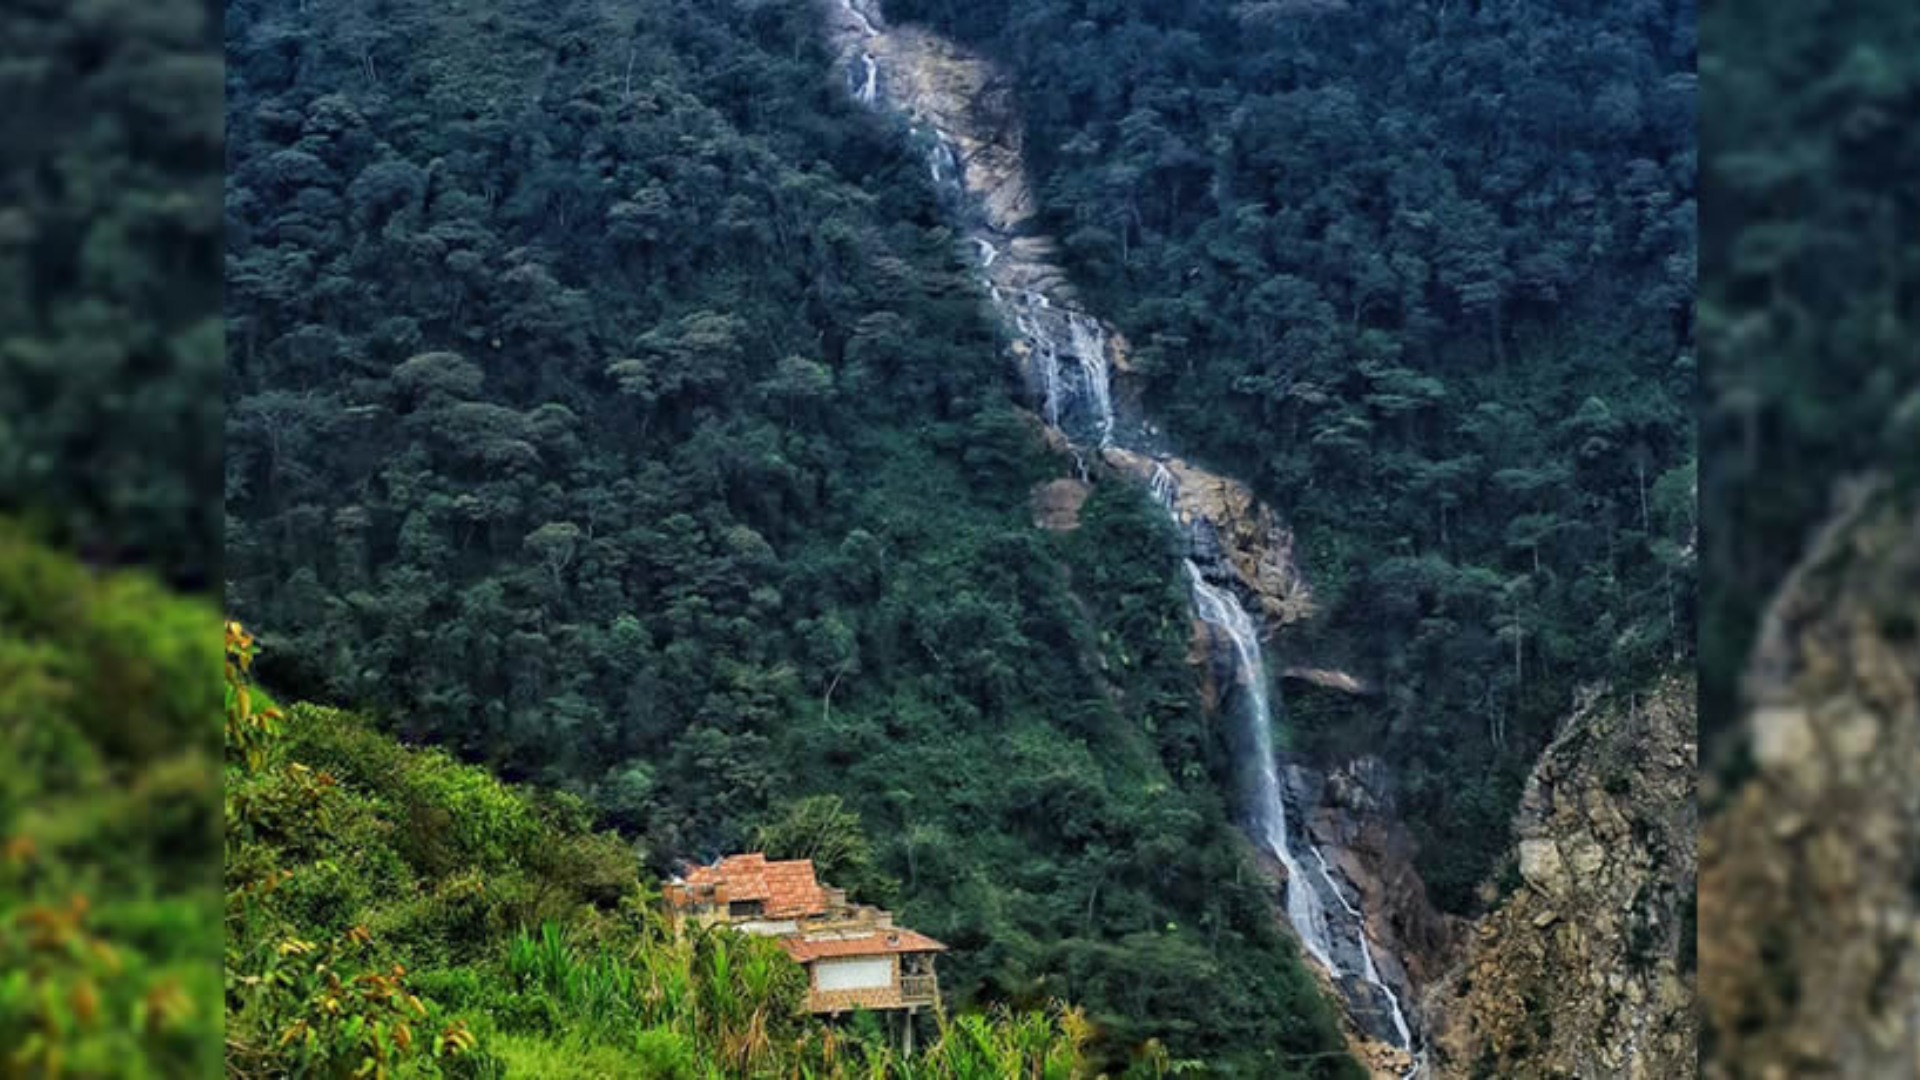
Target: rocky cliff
{"x":1810,"y":857}
{"x":1352,"y":817}
{"x":1227,"y":524}
{"x":1582,"y":970}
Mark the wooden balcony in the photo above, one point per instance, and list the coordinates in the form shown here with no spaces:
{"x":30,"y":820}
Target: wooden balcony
{"x":918,"y":990}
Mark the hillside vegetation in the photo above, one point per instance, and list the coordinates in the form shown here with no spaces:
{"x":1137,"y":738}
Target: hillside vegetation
{"x":1423,"y":275}
{"x":388,"y":912}
{"x":608,"y":405}
{"x":391,"y":912}
{"x":109,"y":856}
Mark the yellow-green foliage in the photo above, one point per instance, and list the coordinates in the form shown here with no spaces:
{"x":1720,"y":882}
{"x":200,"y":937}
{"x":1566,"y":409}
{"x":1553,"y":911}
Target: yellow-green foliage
{"x":108,"y":864}
{"x":393,"y":912}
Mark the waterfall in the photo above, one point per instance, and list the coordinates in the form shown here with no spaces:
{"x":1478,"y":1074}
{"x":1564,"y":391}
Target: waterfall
{"x":1068,"y":365}
{"x":1219,"y":609}
{"x":1050,"y":375}
{"x":1090,"y":349}
{"x":1072,"y":370}
{"x":866,"y":25}
{"x":1368,"y":971}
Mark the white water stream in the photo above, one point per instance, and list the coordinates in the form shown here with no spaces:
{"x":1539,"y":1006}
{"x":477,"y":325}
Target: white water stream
{"x":1069,"y":367}
{"x":1220,"y":610}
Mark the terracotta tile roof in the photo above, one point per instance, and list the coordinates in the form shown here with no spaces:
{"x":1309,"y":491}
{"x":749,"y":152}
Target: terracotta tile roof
{"x":872,"y":943}
{"x":785,"y":888}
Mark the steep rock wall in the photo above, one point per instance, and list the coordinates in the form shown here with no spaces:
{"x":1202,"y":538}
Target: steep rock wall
{"x":1581,"y":971}
{"x":1810,"y":863}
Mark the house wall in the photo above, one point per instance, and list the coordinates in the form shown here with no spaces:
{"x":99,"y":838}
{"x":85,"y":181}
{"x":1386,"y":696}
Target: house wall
{"x":854,"y":973}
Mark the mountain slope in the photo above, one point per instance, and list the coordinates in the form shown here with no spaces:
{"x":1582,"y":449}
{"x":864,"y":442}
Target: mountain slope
{"x":608,"y":404}
{"x":1421,"y":276}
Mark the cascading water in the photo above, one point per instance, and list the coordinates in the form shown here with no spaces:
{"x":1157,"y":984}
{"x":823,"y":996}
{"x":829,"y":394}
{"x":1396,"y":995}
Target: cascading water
{"x":1090,"y":349}
{"x":1219,"y":609}
{"x":860,"y":17}
{"x":1368,"y":971}
{"x":1068,"y":361}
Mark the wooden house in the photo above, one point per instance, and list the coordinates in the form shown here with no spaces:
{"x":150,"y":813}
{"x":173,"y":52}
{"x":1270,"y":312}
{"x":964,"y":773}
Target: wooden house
{"x":855,"y":957}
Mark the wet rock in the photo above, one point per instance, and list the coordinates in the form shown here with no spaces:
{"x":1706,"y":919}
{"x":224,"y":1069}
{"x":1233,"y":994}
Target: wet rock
{"x":1351,"y":816}
{"x":1228,"y":525}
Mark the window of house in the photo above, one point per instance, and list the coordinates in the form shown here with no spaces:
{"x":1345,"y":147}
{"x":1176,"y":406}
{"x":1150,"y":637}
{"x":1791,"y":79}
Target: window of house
{"x":744,"y":909}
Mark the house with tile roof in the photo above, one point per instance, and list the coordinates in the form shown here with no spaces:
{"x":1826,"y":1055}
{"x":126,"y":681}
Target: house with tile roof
{"x":855,"y":957}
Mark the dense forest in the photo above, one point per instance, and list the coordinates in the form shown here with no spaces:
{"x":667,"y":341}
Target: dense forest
{"x":1806,"y":310}
{"x":608,"y":404}
{"x":110,"y":337}
{"x":1423,"y":274}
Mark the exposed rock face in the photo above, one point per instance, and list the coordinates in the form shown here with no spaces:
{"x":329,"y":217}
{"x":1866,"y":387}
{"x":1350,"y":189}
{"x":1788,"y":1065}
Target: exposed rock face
{"x":1228,"y":524}
{"x":1355,"y":822}
{"x":962,"y":94}
{"x":944,"y":87}
{"x":1363,"y":1032}
{"x":1329,"y":679}
{"x":1810,"y":877}
{"x":1351,"y":817}
{"x":1579,"y":973}
{"x":1056,"y":504}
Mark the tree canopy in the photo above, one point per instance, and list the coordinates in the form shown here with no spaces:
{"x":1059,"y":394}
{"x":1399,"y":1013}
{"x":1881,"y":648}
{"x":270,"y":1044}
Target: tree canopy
{"x":110,"y":335}
{"x":1423,"y":275}
{"x":609,"y":404}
